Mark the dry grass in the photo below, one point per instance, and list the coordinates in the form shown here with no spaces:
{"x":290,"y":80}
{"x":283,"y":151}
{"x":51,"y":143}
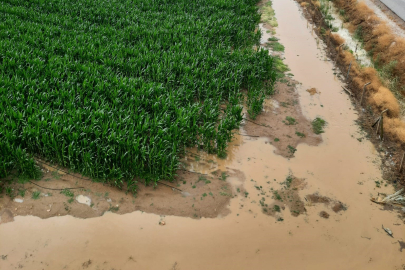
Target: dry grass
{"x":363,"y":12}
{"x":384,"y":99}
{"x":337,"y":39}
{"x":395,"y":129}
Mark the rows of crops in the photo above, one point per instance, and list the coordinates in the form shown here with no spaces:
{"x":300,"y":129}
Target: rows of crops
{"x":117,"y":89}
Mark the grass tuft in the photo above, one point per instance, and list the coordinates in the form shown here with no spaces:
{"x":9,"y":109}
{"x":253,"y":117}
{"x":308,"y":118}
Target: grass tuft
{"x":318,"y":125}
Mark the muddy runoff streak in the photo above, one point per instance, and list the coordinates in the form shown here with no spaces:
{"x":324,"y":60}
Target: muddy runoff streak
{"x":246,"y":238}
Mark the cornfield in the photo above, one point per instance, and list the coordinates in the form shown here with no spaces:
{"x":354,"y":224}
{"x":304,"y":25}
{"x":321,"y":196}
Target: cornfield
{"x":116,"y":90}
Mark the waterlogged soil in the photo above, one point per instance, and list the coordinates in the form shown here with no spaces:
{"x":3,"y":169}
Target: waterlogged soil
{"x":191,"y":195}
{"x":340,"y":169}
{"x":288,"y":196}
{"x":283,"y":122}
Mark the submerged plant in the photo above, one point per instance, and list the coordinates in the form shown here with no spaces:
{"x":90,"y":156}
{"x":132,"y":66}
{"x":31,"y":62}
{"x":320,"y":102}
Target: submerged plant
{"x":318,"y":125}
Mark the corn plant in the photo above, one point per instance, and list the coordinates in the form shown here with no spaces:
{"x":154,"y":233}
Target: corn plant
{"x":118,"y":89}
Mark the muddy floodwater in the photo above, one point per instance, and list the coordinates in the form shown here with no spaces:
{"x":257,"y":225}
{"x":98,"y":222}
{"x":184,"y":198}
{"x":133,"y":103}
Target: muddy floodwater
{"x":341,"y":168}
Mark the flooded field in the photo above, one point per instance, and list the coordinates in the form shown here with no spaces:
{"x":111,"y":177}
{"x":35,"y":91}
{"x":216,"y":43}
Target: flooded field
{"x":307,"y":210}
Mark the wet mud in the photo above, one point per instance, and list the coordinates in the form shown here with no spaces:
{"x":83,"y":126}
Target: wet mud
{"x":283,"y":122}
{"x":191,"y":195}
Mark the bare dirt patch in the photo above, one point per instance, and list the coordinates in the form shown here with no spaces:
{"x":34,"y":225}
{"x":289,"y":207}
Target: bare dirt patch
{"x":6,"y":216}
{"x":86,"y":264}
{"x":401,"y":245}
{"x":338,"y":207}
{"x":324,"y":214}
{"x":283,"y":121}
{"x":316,"y":198}
{"x":190,"y":195}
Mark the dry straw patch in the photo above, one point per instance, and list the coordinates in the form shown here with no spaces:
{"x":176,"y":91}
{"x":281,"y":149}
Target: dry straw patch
{"x":384,"y":99}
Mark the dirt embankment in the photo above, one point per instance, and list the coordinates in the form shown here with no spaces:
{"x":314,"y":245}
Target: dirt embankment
{"x":394,"y":18}
{"x":386,"y":50}
{"x":191,"y":195}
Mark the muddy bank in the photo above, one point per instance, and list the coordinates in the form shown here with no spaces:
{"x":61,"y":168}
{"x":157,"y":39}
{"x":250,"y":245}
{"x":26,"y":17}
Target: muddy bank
{"x":283,"y":122}
{"x":191,"y":195}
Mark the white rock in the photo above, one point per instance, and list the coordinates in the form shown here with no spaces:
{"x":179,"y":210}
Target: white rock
{"x":83,"y":199}
{"x":17,"y":200}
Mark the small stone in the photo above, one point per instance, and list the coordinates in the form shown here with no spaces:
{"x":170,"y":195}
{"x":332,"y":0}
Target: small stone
{"x":83,"y":199}
{"x":49,"y":210}
{"x":162,"y":223}
{"x":18,"y":200}
{"x":109,"y":200}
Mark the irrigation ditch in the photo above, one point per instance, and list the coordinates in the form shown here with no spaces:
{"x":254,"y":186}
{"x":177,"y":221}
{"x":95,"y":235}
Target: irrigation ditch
{"x":362,"y":85}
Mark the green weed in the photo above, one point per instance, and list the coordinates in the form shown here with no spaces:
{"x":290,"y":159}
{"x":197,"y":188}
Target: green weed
{"x":35,"y":195}
{"x":290,"y":121}
{"x":318,"y":125}
{"x":299,"y":134}
{"x":67,"y":192}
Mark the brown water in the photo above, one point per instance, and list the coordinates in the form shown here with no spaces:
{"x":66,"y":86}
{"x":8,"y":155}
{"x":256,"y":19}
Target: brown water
{"x":246,"y":238}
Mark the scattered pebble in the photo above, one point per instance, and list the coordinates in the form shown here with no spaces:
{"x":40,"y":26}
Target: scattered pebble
{"x":162,"y":223}
{"x":17,"y":200}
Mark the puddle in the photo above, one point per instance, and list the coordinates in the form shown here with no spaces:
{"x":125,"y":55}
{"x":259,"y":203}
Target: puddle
{"x":246,"y":238}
